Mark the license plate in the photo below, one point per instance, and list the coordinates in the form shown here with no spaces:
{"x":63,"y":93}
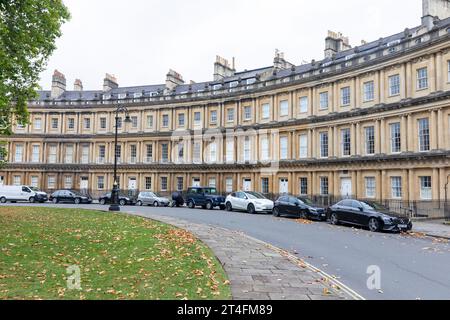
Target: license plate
{"x":402,"y":226}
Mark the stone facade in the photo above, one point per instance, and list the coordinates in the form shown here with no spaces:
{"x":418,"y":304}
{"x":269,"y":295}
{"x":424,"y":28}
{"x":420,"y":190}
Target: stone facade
{"x":370,"y":122}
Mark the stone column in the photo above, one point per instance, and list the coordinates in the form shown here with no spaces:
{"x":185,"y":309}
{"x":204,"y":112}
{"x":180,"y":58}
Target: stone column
{"x":358,"y":141}
{"x":432,"y":75}
{"x":336,"y":141}
{"x":404,"y":133}
{"x":439,"y":74}
{"x":403,"y":90}
{"x":310,"y":148}
{"x":441,"y":134}
{"x":410,"y":134}
{"x":292,"y":104}
{"x":382,"y":86}
{"x":353,"y":139}
{"x":409,"y":80}
{"x":410,"y":183}
{"x":382,"y":137}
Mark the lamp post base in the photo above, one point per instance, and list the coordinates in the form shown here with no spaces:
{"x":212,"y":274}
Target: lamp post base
{"x":114,"y":208}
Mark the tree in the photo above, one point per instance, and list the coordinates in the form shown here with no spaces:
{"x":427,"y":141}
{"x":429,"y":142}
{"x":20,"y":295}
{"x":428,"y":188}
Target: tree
{"x":28,"y":31}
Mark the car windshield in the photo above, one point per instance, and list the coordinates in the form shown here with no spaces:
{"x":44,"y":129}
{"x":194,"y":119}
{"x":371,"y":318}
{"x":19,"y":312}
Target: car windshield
{"x":210,"y":191}
{"x":76,"y":193}
{"x":373,"y":206}
{"x":157,"y":195}
{"x":34,"y":189}
{"x":306,"y":201}
{"x":255,"y":195}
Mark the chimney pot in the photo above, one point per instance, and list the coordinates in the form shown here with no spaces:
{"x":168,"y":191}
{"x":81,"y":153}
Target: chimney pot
{"x":78,"y":85}
{"x":223,"y":69}
{"x":58,"y":84}
{"x":110,"y":83}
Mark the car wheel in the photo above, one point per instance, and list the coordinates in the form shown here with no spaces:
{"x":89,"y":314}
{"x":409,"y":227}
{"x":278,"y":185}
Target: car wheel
{"x":139,"y":203}
{"x":229,"y":207}
{"x":122,"y":202}
{"x":334,"y":219}
{"x":251,"y":209}
{"x":102,"y":202}
{"x":156,"y":204}
{"x":276,"y":212}
{"x":209,"y":205}
{"x":3,"y":200}
{"x":374,"y":225}
{"x":32,"y":200}
{"x":77,"y":201}
{"x":55,"y":200}
{"x":191,"y":204}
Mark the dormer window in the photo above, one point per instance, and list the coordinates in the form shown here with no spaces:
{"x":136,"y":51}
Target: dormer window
{"x":393,"y":43}
{"x":137,"y":95}
{"x":106,"y":96}
{"x":251,"y":81}
{"x":234,"y":84}
{"x":217,"y":86}
{"x":349,"y":57}
{"x":122,"y":95}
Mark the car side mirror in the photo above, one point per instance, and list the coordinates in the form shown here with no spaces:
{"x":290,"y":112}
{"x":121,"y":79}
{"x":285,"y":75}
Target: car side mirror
{"x":361,"y":209}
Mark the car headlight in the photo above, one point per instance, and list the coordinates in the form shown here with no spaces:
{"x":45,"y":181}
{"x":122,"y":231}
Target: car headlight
{"x":387,"y":219}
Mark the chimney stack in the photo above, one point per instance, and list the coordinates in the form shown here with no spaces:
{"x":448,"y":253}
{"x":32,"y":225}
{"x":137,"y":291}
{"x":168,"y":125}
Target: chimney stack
{"x":173,"y":80}
{"x":78,"y":85}
{"x":433,"y":10}
{"x":58,"y":84}
{"x":335,"y":42}
{"x":223,"y":69}
{"x":109,"y":83}
{"x":279,"y":63}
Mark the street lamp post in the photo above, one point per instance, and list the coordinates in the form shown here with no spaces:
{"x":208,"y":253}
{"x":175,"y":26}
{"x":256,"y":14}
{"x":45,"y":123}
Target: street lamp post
{"x":446,"y":197}
{"x":115,"y":191}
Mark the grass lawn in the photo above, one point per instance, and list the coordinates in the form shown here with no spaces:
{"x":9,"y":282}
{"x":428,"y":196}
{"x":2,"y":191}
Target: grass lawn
{"x":119,"y":257}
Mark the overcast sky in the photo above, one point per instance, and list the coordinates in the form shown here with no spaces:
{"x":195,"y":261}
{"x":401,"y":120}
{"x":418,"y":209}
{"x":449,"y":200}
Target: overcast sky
{"x":140,"y":40}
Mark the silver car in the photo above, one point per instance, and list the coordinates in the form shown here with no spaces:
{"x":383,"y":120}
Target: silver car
{"x":151,"y":198}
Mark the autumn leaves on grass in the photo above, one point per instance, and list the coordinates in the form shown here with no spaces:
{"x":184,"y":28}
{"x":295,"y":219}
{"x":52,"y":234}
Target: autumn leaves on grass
{"x":119,"y":257}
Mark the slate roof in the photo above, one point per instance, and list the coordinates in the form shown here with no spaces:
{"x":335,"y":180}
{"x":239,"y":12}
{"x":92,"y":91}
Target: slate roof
{"x":361,"y":50}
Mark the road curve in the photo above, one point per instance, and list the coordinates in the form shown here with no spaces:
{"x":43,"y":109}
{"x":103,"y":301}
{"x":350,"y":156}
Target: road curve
{"x":411,"y":268}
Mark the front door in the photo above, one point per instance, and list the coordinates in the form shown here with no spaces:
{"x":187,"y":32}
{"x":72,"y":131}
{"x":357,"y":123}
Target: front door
{"x":132,"y":184}
{"x":247,"y":185}
{"x":284,"y":186}
{"x":346,"y":187}
{"x":196,"y":182}
{"x":84,"y":183}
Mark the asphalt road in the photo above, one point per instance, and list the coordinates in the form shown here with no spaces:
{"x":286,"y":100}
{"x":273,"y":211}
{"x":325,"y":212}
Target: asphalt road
{"x":411,"y":267}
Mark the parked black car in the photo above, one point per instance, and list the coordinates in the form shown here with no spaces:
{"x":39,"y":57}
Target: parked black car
{"x":177,"y":200}
{"x":368,"y":214}
{"x":300,"y":207}
{"x":69,"y":196}
{"x":204,"y":197}
{"x":123,"y":200}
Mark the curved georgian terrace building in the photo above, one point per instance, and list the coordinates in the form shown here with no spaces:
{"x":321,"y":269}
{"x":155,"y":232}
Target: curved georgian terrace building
{"x":370,"y":121}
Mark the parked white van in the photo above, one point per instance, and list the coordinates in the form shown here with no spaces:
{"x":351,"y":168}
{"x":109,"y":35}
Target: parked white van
{"x":22,"y":193}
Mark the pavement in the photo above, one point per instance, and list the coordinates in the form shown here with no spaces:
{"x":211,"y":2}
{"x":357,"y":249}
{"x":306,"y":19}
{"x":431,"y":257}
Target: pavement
{"x":435,"y":229}
{"x":258,"y":271}
{"x":410,"y":266}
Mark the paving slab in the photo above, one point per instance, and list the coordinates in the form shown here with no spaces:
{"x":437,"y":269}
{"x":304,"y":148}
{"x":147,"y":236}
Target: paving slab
{"x":258,"y":271}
